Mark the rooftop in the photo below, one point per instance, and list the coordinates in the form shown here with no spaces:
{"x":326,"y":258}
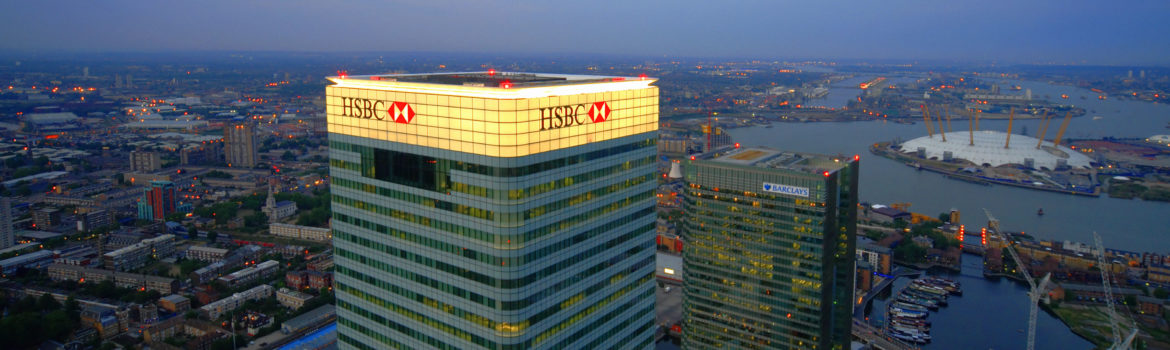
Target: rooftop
{"x":776,"y":159}
{"x":492,"y":84}
{"x":493,"y":79}
{"x":989,"y":149}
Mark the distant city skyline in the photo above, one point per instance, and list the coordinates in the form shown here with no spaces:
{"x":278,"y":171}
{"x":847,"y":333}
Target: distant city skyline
{"x":1044,"y":31}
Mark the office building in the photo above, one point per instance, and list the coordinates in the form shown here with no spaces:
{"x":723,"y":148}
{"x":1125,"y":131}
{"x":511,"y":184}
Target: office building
{"x":144,"y":162}
{"x":7,"y":232}
{"x":240,"y":145}
{"x":157,"y":201}
{"x":769,"y":254}
{"x":493,"y":210}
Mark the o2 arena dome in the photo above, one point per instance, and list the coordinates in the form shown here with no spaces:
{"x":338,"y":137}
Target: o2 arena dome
{"x":988,"y":150}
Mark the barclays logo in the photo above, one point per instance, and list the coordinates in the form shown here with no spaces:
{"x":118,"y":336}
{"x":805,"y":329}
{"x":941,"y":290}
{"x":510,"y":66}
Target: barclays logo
{"x":785,"y":189}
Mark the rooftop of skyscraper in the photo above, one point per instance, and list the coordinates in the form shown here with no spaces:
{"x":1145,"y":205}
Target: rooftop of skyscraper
{"x":776,"y":159}
{"x":491,"y":78}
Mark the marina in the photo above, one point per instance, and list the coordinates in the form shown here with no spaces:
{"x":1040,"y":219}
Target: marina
{"x":906,"y":315}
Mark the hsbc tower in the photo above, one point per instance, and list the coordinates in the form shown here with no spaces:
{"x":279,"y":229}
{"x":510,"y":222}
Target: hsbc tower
{"x":492,"y":210}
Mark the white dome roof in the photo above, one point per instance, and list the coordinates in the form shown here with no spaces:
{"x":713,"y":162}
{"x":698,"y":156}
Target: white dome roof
{"x":988,"y":149}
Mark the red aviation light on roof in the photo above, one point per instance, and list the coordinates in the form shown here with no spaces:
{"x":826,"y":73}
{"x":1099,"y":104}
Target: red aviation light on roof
{"x":491,"y":71}
{"x":343,"y":74}
{"x":826,"y":174}
{"x":507,"y":84}
{"x":692,"y":157}
{"x":737,"y":145}
{"x":856,"y":157}
{"x":642,"y":76}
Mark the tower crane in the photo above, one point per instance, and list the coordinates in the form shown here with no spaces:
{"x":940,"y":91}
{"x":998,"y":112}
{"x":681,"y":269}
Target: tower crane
{"x":1037,"y":289}
{"x":1115,"y":325}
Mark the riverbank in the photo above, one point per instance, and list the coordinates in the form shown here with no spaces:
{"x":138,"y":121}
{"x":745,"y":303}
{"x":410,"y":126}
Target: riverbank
{"x":955,"y":171}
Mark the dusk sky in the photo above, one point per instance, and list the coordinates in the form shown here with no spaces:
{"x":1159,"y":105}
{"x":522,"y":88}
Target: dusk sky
{"x":1009,"y":31}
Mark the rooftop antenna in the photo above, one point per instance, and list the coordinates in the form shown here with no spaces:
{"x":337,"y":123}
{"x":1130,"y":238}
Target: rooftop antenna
{"x":971,"y":126}
{"x":1063,"y":126}
{"x":926,"y":118}
{"x":1044,"y":120}
{"x":948,"y":114}
{"x":977,"y":111}
{"x":940,"y":129}
{"x":1011,"y":115}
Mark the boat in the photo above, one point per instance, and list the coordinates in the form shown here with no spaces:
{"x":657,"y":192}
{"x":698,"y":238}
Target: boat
{"x":928,"y":303}
{"x":898,"y":311}
{"x":909,"y":306}
{"x":937,"y":298}
{"x":1040,"y":212}
{"x":917,"y":337}
{"x":929,"y":289}
{"x":909,"y":338}
{"x":901,"y":313}
{"x":911,"y":321}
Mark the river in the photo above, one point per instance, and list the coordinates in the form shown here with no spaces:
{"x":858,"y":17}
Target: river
{"x":1123,"y":224}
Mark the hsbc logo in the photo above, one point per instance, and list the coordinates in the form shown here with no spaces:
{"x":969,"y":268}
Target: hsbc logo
{"x":399,"y":112}
{"x":564,"y":116}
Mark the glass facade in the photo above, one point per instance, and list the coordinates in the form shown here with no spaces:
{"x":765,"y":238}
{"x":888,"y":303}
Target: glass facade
{"x":768,"y":261}
{"x":470,"y":228}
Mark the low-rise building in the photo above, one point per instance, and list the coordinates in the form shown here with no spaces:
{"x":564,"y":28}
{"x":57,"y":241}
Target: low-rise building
{"x":301,"y":232}
{"x":292,"y":299}
{"x":250,"y":274}
{"x":206,"y":254}
{"x":63,"y":272}
{"x":35,"y":260}
{"x":309,"y":319}
{"x":138,"y":254}
{"x":1158,"y":273}
{"x":219,"y":307}
{"x":879,"y":257}
{"x":175,"y":303}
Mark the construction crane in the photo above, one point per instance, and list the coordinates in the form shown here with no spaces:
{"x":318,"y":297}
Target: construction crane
{"x":1115,"y":325}
{"x":1036,"y":291}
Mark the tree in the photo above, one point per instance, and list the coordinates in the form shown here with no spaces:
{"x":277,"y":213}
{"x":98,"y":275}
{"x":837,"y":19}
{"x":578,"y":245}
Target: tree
{"x":256,"y":219}
{"x":26,"y":304}
{"x":288,"y":156}
{"x":73,"y":308}
{"x":176,"y":217}
{"x":1130,"y":300}
{"x":211,"y":235}
{"x":909,"y":252}
{"x":47,"y":303}
{"x":58,"y":325}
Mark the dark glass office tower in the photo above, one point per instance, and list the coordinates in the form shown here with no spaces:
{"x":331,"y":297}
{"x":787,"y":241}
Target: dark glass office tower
{"x":769,"y":254}
{"x":493,"y":210}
